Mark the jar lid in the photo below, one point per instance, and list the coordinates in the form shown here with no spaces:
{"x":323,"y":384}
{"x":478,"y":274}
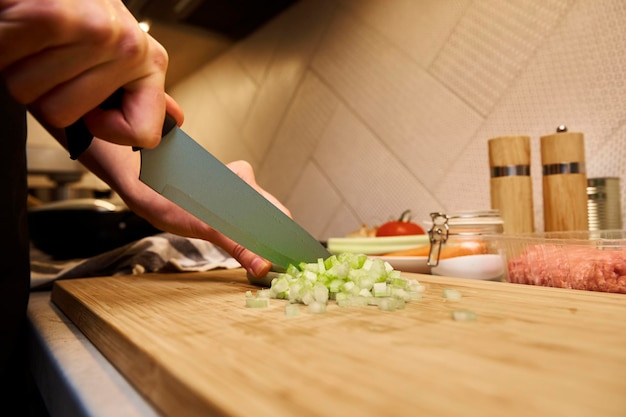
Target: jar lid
{"x":461,"y":218}
{"x":475,"y":217}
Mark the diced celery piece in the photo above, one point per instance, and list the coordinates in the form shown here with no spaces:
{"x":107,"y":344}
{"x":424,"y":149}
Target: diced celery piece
{"x":335,"y":285}
{"x":264,"y":293}
{"x":367,"y":265}
{"x":292,"y":271}
{"x":308,"y":298}
{"x":380,"y":289}
{"x":399,"y":282}
{"x":365,"y":293}
{"x":342,"y":296}
{"x":279,"y":285}
{"x":320,"y":293}
{"x":400,"y":293}
{"x":292,"y":310}
{"x":463,"y":315}
{"x":309,"y":275}
{"x":317,"y":307}
{"x":387,"y":304}
{"x":414,"y":285}
{"x":257,"y":302}
{"x":348,"y":286}
{"x":320,"y":265}
{"x":452,"y":294}
{"x":414,"y":295}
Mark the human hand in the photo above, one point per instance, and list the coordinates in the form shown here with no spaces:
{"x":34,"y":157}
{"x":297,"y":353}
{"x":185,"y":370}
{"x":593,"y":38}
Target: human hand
{"x":167,"y":216}
{"x":64,"y":57}
{"x":252,"y":262}
{"x":245,"y":171}
{"x":119,"y":167}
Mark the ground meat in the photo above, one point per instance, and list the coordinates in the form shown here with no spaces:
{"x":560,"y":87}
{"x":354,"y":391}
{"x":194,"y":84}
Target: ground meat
{"x":581,"y":268}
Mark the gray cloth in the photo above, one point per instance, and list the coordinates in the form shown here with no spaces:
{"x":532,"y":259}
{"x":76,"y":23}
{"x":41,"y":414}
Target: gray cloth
{"x":163,"y":252}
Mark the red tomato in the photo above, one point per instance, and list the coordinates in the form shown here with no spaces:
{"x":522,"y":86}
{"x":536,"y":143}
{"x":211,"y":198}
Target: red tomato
{"x":400,"y":227}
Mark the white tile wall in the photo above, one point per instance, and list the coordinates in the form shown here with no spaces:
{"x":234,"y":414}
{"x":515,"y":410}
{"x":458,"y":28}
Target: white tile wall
{"x":234,"y":90}
{"x":397,"y":99}
{"x":354,"y":110}
{"x":490,"y":46}
{"x":417,"y":28}
{"x":306,"y":205}
{"x":302,"y":129}
{"x":300,"y":33}
{"x":366,"y":173}
{"x":208,"y":120}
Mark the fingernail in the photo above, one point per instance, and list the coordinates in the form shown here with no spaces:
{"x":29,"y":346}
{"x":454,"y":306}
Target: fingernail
{"x":259,"y":267}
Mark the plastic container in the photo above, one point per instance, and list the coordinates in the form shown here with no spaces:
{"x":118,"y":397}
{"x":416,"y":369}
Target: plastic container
{"x":582,"y":260}
{"x":462,"y":245}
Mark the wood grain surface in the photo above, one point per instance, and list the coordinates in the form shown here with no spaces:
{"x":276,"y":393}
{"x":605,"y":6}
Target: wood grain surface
{"x":512,"y":194}
{"x":189,"y":345}
{"x":564,"y":195}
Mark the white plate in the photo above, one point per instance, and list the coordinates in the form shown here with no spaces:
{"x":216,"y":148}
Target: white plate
{"x":415,"y":264}
{"x":375,"y":245}
{"x":488,"y":267}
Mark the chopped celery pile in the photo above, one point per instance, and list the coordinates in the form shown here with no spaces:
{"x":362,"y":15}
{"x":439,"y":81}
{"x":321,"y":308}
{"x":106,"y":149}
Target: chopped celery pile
{"x":347,"y":278}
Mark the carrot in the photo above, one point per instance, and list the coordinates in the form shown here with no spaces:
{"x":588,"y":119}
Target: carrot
{"x":464,"y":249}
{"x":418,"y":251}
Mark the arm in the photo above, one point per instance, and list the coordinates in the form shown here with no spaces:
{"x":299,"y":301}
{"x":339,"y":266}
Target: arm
{"x":119,"y":167}
{"x":62,"y":58}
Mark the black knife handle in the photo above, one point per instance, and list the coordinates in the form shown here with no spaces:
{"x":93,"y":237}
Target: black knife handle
{"x":79,"y":137}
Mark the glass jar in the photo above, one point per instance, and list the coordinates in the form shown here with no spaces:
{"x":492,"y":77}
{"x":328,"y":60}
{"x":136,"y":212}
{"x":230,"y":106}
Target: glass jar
{"x":462,"y":245}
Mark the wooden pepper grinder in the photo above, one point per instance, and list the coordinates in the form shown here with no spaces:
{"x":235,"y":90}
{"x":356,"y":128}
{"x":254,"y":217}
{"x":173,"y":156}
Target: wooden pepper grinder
{"x":564,"y":181}
{"x":511,"y":185}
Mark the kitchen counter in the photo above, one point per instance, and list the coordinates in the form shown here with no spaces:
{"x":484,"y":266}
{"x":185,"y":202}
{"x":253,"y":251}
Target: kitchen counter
{"x":187,"y":342}
{"x":74,"y":378}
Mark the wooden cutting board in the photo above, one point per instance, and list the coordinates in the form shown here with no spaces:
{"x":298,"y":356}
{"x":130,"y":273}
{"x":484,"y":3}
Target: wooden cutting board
{"x":187,"y":343}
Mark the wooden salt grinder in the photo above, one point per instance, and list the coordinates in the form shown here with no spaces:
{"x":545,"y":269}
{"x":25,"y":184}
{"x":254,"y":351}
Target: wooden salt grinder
{"x":564,"y":181}
{"x":511,"y":185}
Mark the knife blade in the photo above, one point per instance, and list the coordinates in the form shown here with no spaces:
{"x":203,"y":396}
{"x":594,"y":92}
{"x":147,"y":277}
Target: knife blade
{"x":185,"y":173}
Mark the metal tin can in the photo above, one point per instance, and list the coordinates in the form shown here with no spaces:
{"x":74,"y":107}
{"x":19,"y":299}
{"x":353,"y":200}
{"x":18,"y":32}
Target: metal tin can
{"x":604,"y":207}
{"x":462,"y":245}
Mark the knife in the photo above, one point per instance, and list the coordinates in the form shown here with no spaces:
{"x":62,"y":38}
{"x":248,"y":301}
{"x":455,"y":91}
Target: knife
{"x":185,"y":173}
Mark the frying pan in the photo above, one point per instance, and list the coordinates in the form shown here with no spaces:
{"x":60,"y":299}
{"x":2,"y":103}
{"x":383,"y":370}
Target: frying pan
{"x":85,"y":227}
